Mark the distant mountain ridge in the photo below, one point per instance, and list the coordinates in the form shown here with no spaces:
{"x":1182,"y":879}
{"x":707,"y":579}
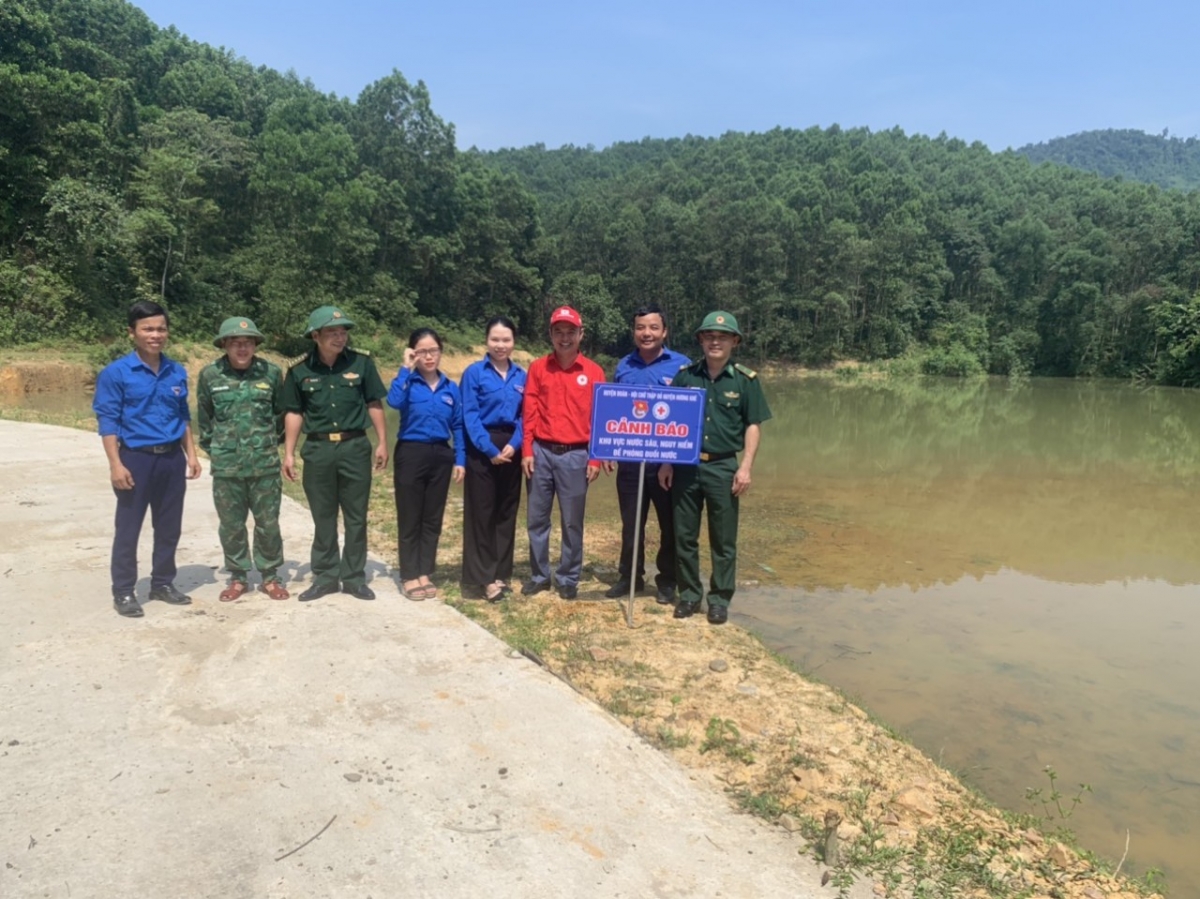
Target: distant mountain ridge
{"x":1169,"y":162}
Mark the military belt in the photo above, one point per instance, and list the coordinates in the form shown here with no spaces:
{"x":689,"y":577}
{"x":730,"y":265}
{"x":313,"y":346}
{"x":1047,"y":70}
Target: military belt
{"x":337,"y":436}
{"x":157,"y":449}
{"x":716,"y":457}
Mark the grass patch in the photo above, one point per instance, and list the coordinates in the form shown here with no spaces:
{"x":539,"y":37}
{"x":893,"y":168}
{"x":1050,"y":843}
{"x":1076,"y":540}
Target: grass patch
{"x":722,"y":735}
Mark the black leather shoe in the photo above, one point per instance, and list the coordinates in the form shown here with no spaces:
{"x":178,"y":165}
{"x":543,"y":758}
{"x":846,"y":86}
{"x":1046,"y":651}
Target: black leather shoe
{"x":362,"y":591}
{"x":568,"y":593}
{"x":665,"y":596}
{"x":621,"y":588}
{"x":718,"y":614}
{"x":316,"y":591}
{"x":128,"y":606}
{"x":531,"y":588}
{"x":170,"y":595}
{"x":686,"y":609}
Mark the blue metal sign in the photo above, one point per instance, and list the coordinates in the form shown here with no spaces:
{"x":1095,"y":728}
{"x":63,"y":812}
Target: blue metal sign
{"x":646,"y":424}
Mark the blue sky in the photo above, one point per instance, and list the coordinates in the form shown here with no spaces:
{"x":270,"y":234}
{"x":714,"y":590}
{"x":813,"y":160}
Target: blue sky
{"x":518,"y":73}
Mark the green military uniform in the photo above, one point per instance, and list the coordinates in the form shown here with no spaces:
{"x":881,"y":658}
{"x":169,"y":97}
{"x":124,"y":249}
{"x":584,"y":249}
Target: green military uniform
{"x":734,"y":401}
{"x":337,"y":456}
{"x":241,"y":427}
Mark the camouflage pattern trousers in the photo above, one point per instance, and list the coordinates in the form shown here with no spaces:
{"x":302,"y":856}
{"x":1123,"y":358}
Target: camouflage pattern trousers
{"x":234,"y":499}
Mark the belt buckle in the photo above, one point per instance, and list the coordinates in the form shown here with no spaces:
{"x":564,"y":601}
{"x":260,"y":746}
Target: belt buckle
{"x":160,"y":449}
{"x":704,"y":457}
{"x":335,"y":437}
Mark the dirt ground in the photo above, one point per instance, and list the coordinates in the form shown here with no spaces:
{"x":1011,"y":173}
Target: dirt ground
{"x":781,"y":746}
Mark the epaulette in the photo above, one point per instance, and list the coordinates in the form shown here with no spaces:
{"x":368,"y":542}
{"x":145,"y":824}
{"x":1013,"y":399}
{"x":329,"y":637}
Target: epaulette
{"x":360,"y":352}
{"x":748,"y":372}
{"x":685,"y":365}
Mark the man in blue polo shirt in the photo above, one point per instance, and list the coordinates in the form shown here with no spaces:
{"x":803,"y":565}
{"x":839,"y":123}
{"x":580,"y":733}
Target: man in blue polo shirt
{"x":141,"y":405}
{"x":650,"y":364}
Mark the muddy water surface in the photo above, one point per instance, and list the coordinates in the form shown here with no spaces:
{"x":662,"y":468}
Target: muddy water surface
{"x":1008,"y":576}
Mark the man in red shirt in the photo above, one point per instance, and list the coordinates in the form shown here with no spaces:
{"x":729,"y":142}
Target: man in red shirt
{"x":558,"y":421}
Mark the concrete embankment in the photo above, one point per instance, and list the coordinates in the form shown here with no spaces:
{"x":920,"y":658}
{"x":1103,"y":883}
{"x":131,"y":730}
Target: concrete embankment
{"x":190,"y":752}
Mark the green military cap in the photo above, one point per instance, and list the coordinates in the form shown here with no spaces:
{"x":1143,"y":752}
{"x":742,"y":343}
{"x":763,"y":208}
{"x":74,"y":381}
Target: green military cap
{"x":719,"y":321}
{"x":237,"y":327}
{"x":325,"y":317}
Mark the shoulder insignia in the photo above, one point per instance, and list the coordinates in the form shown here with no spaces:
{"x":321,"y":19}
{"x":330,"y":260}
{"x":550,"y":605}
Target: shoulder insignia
{"x":748,"y":372}
{"x":685,"y":365}
{"x":361,"y":352}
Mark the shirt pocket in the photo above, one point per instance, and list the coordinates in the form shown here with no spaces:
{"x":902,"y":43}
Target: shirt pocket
{"x":137,"y":392}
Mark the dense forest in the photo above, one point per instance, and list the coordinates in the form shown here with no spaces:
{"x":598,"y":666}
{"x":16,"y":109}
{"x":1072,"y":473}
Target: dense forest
{"x":1126,"y":153}
{"x":137,"y":163}
{"x":846,"y":243}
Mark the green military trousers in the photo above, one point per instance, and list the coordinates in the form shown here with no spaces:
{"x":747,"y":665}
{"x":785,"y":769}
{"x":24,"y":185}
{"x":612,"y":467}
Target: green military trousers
{"x":235,"y":498}
{"x":694,"y":487}
{"x":338,"y":476}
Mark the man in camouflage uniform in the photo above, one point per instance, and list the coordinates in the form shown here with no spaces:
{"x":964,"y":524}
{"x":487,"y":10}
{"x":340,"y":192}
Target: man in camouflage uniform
{"x":240,"y":401}
{"x":734,"y":409}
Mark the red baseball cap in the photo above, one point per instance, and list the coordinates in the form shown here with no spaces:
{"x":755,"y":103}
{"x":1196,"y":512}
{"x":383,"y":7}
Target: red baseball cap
{"x":565,"y":314}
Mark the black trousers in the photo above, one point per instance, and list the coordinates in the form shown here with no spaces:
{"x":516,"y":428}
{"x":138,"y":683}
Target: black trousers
{"x":491,"y":500}
{"x":627,"y":491}
{"x":421,"y":477}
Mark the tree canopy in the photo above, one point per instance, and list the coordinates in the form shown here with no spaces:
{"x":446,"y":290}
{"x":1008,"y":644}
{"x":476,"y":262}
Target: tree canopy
{"x":135,"y":163}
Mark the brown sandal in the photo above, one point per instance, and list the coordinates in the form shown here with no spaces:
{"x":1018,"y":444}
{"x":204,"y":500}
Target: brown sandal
{"x":416,"y":594}
{"x":275,"y":590}
{"x":233,"y":591}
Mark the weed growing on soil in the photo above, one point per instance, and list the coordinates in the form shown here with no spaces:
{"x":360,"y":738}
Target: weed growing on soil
{"x":667,"y":737}
{"x":722,"y":735}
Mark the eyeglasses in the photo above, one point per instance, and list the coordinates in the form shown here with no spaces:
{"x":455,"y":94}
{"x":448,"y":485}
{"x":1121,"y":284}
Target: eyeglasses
{"x":428,"y":353}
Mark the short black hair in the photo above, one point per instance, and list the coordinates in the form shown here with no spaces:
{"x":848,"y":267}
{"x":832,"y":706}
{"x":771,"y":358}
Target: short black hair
{"x":649,"y":309}
{"x":146,"y":309}
{"x":499,"y":320}
{"x":415,"y":337}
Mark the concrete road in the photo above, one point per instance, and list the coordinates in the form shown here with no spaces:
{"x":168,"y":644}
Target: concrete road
{"x":186,"y":753}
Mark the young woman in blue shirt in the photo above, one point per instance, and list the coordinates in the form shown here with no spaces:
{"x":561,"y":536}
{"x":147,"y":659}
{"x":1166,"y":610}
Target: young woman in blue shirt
{"x":430,"y":449}
{"x":493,"y":390}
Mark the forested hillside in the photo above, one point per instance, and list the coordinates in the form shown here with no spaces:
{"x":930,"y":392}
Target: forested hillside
{"x":136,"y":163}
{"x":844,"y":243}
{"x":1169,"y":162}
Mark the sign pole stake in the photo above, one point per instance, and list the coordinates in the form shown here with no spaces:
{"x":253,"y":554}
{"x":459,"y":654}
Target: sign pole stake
{"x":637,"y":536}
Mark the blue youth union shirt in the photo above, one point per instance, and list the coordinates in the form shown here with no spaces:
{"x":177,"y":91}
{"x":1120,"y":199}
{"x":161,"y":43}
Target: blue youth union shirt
{"x":140,"y":407}
{"x":659,"y":373}
{"x":490,"y":401}
{"x":428,"y":415}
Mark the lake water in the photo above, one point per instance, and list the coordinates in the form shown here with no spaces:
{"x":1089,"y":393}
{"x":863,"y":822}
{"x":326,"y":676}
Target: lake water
{"x":1008,"y":575}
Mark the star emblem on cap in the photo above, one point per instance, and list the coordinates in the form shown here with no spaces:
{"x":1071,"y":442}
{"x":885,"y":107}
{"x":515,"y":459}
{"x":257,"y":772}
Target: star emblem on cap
{"x":337,"y":314}
{"x":720,"y":319}
{"x":243,"y":325}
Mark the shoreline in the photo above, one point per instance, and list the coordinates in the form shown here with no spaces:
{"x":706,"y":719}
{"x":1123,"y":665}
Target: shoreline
{"x":781,"y":746}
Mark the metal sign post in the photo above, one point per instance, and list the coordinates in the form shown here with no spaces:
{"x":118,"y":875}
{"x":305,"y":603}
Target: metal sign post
{"x":645,"y":424}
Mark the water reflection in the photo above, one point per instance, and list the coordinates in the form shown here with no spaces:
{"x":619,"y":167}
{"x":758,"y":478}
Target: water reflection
{"x":1004,"y":574}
